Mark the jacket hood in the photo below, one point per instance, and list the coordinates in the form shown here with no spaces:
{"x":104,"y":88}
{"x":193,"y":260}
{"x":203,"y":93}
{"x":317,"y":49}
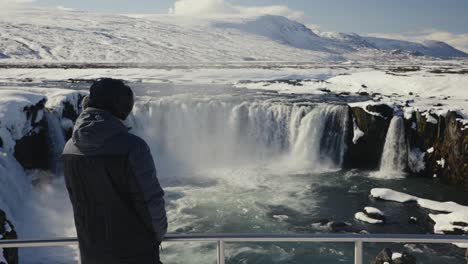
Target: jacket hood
{"x":93,"y":128}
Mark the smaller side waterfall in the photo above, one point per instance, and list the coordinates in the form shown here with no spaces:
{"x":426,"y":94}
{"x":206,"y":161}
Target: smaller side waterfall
{"x":56,"y":140}
{"x":395,"y":153}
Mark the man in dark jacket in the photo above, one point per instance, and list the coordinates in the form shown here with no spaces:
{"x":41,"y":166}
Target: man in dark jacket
{"x":110,"y":175}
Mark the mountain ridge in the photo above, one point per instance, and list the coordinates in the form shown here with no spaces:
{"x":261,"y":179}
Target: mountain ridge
{"x":49,"y":35}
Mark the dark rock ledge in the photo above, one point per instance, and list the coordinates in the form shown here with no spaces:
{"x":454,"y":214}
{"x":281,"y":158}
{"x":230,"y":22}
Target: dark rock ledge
{"x":7,"y":231}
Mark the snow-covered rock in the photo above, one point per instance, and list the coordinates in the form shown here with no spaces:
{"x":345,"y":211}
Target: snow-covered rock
{"x":387,"y":256}
{"x":364,"y":218}
{"x":396,"y":255}
{"x":371,"y":215}
{"x":357,"y":132}
{"x":452,"y":219}
{"x":25,"y":122}
{"x":7,"y":231}
{"x":19,"y":111}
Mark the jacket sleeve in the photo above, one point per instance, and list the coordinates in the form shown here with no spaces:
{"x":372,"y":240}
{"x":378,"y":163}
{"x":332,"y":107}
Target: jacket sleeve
{"x":142,"y":165}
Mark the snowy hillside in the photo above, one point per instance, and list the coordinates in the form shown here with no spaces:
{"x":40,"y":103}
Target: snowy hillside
{"x":50,"y":35}
{"x":429,"y":48}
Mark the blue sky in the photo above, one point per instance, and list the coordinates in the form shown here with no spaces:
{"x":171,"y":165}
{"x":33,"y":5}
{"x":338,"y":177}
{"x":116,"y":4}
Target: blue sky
{"x":416,"y":20}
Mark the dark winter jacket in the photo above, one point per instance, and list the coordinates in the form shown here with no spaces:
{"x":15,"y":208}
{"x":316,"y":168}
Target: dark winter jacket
{"x":117,"y":200}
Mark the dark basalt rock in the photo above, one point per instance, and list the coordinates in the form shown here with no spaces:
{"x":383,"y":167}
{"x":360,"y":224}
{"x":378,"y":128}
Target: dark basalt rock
{"x":382,"y":109}
{"x":462,"y":224}
{"x":455,"y":232}
{"x":374,"y":216}
{"x":405,"y":259}
{"x":385,"y":256}
{"x":450,"y":142}
{"x":425,"y":133}
{"x":339,"y":226}
{"x":32,"y":151}
{"x":453,"y":149}
{"x":69,"y":110}
{"x":10,"y":254}
{"x":322,"y":222}
{"x":367,"y":151}
{"x":446,"y":136}
{"x":413,"y":221}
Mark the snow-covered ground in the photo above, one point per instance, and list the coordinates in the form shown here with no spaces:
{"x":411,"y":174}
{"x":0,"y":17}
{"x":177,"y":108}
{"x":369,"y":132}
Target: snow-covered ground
{"x":436,"y":88}
{"x":30,"y":35}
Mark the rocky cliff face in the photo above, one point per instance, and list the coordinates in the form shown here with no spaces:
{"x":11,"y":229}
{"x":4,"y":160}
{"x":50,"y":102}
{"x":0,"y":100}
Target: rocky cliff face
{"x":31,"y":151}
{"x":7,"y":231}
{"x":446,"y":146}
{"x":373,"y":121}
{"x":442,"y":142}
{"x":386,"y":256}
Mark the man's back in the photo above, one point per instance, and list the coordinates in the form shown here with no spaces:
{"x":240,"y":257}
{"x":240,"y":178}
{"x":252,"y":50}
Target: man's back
{"x":117,"y":200}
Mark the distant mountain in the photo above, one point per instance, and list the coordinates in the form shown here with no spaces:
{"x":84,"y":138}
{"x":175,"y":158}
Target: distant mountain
{"x":281,"y":30}
{"x":436,"y":49}
{"x":50,"y":35}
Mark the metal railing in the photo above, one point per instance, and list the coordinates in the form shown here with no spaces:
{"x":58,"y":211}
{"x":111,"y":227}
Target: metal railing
{"x":221,"y":239}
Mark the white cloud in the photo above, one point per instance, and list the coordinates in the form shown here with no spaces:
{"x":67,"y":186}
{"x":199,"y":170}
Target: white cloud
{"x":220,"y":7}
{"x":459,"y":41}
{"x":16,"y":1}
{"x":5,"y":5}
{"x":314,"y":27}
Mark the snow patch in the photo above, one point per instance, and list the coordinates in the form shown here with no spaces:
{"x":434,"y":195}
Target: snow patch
{"x":373,"y":210}
{"x":364,"y":218}
{"x":396,"y":256}
{"x":431,"y":150}
{"x":391,"y":195}
{"x":441,"y":163}
{"x":430,"y":118}
{"x":14,"y":123}
{"x":358,"y":133}
{"x":56,"y":99}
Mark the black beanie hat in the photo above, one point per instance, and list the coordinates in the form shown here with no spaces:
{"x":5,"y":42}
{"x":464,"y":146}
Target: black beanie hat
{"x":113,"y":96}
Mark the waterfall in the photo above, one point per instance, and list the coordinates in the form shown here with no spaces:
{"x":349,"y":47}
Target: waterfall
{"x":14,"y":185}
{"x":321,"y":137}
{"x":201,"y":133}
{"x":56,"y":141}
{"x":395,"y":153}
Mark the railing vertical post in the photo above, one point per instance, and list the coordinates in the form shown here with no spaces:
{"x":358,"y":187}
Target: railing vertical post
{"x":220,"y":249}
{"x":358,"y":252}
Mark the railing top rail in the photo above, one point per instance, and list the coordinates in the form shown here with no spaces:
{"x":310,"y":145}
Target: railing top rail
{"x":331,"y":238}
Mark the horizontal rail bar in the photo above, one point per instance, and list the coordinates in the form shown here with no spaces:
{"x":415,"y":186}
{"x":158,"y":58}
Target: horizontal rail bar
{"x":329,"y":238}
